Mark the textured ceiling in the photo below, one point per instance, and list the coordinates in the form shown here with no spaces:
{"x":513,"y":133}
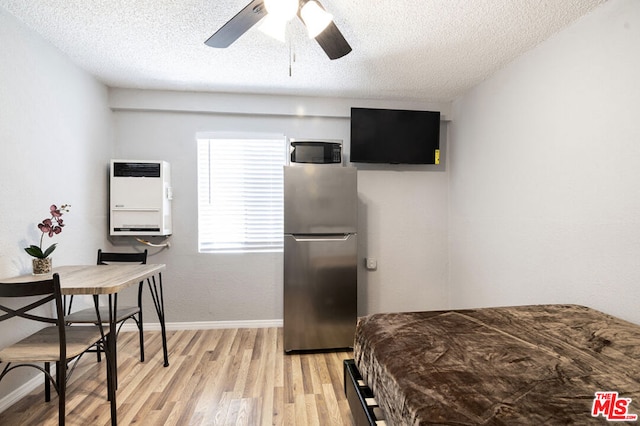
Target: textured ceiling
{"x":408,"y":49}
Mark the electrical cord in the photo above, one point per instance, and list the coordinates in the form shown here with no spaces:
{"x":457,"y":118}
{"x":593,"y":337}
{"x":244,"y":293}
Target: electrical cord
{"x":166,"y":244}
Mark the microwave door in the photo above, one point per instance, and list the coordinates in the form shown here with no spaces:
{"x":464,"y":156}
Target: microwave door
{"x":309,"y":153}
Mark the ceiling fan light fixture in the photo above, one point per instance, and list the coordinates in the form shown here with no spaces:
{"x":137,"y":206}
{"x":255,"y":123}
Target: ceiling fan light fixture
{"x":330,"y":40}
{"x":283,"y":10}
{"x":315,"y":18}
{"x":274,"y":27}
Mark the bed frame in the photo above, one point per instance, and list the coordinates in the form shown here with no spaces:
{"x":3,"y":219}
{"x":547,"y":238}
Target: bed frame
{"x":364,"y":407}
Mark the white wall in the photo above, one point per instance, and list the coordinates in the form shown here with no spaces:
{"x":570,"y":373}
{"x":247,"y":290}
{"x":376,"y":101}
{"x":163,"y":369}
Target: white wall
{"x":545,"y":172}
{"x":55,"y":137}
{"x":403,"y":210}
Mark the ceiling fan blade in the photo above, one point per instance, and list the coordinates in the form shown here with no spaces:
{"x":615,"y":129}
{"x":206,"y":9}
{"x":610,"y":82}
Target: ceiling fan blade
{"x":331,"y":39}
{"x":333,"y":42}
{"x":238,"y":25}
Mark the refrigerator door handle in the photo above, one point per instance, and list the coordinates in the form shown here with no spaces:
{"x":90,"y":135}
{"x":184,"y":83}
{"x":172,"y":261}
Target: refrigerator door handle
{"x":305,"y":238}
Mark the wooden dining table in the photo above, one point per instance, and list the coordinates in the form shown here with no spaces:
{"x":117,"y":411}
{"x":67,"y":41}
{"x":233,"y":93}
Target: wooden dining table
{"x":109,"y":280}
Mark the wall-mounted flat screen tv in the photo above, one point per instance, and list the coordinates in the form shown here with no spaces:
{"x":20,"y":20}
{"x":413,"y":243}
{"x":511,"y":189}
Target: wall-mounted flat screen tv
{"x":394,"y":136}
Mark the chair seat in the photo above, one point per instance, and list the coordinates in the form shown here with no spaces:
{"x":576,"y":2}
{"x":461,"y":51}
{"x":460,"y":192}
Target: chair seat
{"x":88,"y":316}
{"x":44,"y":345}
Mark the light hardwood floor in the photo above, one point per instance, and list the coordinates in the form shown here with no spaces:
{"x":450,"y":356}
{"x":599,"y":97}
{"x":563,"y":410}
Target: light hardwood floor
{"x":215,"y":377}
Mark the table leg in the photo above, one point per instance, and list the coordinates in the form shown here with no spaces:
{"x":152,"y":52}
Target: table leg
{"x":109,"y":349}
{"x":113,"y":337}
{"x":113,"y":350}
{"x":155,"y":287}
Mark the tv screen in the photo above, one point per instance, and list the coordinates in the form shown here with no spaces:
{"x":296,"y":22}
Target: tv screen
{"x":394,"y":136}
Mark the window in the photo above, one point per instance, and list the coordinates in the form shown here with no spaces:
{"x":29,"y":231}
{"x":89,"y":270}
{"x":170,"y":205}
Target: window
{"x":240,"y":199}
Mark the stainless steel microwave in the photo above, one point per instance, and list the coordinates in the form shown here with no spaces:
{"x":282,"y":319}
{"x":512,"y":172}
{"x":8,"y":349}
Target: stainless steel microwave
{"x":315,"y":151}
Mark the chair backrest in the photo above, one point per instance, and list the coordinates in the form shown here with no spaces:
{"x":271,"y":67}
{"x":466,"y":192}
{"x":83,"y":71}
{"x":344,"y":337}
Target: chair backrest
{"x":47,"y":291}
{"x":106,"y":258}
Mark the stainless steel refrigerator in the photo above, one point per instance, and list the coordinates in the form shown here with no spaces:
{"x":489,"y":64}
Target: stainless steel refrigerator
{"x":320,"y":257}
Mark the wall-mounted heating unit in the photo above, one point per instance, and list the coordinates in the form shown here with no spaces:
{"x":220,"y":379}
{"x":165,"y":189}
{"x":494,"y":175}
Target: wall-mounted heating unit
{"x":140,"y":198}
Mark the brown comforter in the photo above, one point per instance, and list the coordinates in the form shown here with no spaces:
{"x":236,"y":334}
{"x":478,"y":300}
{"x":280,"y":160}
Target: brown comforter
{"x":527,"y":365}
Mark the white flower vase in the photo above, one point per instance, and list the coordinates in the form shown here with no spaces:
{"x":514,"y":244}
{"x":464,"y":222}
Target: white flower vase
{"x":41,"y":266}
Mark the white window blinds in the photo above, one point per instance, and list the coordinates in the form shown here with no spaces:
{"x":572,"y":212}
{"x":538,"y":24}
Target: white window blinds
{"x":240,"y":199}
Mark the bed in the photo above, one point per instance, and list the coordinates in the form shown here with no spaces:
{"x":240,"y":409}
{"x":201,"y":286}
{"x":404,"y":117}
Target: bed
{"x":539,"y":364}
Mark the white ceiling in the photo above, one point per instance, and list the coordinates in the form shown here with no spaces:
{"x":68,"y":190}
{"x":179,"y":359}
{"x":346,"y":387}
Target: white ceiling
{"x":402,"y":49}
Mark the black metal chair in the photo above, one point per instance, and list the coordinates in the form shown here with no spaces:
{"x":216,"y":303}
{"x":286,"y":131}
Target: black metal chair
{"x":60,"y":344}
{"x":123,"y":313}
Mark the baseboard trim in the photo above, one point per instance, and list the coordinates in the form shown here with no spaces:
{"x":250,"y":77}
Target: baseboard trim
{"x":37,"y":381}
{"x":24,"y":390}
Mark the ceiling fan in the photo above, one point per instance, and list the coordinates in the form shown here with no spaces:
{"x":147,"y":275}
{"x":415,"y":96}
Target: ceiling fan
{"x":277,"y":13}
